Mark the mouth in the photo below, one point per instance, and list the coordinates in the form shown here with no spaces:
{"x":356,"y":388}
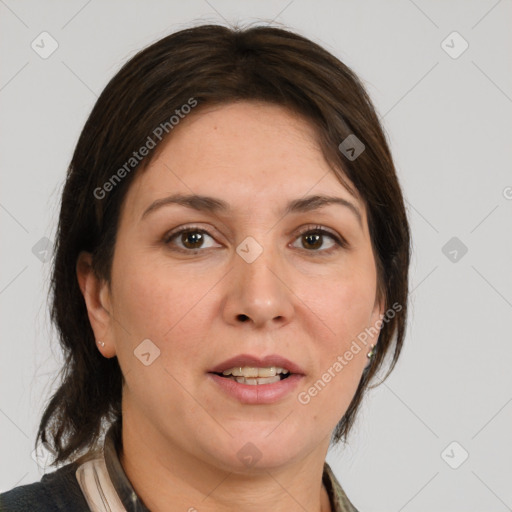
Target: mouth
{"x":253,"y":375}
{"x":254,"y":380}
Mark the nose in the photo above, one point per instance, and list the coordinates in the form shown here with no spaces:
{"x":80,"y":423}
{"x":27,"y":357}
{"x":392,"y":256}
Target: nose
{"x":260,"y":292}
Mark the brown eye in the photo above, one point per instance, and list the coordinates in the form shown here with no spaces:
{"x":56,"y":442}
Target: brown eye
{"x":314,"y":241}
{"x":188,"y":239}
{"x":192,"y":239}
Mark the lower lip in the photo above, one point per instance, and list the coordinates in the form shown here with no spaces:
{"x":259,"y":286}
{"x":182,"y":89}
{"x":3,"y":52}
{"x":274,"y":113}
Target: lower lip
{"x":259,"y":393}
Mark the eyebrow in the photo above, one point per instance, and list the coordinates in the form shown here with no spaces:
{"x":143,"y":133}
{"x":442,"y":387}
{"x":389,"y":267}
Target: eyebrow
{"x":215,"y":205}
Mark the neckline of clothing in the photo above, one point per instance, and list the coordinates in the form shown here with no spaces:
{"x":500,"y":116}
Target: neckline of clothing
{"x":132,"y":502}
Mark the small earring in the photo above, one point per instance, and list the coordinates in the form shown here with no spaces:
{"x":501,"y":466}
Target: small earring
{"x":102,"y":343}
{"x":370,"y":354}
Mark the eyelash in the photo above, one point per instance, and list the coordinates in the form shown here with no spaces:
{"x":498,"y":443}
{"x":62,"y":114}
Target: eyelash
{"x":340,"y":242}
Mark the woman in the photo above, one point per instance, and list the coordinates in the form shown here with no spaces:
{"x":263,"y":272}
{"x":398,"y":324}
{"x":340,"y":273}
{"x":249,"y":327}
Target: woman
{"x":231,"y":270}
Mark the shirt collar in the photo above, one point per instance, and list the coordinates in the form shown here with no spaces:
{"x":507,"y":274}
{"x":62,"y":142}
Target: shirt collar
{"x":132,"y":502}
{"x":111,"y":449}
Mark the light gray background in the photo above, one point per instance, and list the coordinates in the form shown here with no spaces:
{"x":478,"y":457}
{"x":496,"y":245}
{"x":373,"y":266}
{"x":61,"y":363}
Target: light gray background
{"x":450,"y":128}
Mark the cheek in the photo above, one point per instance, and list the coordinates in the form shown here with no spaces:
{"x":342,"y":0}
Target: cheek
{"x":145,"y":303}
{"x":155,"y":302}
{"x":344,"y":302}
{"x":344,"y":305}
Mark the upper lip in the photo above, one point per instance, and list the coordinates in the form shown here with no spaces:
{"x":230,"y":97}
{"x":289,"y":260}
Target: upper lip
{"x":259,"y":362}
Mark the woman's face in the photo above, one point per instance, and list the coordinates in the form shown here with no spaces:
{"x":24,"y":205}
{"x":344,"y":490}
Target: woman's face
{"x":243,"y":282}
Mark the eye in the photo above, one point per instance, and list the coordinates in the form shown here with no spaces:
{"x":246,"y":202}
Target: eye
{"x":313,"y":239}
{"x":192,"y":238}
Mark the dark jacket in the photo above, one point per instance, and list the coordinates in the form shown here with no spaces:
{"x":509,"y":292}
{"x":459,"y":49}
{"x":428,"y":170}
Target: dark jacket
{"x":56,"y":491}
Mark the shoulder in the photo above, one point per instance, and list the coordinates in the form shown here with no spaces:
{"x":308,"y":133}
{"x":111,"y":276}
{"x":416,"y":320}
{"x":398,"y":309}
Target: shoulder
{"x":55,"y":491}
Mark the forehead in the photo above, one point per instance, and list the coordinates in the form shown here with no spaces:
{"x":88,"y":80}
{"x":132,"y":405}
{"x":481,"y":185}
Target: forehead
{"x":251,"y":154}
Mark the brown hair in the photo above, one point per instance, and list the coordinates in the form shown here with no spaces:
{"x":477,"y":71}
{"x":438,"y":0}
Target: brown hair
{"x":214,"y":65}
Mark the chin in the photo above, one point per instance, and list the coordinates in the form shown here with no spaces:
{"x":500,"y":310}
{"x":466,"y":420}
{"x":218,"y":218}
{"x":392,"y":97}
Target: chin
{"x":250,"y":452}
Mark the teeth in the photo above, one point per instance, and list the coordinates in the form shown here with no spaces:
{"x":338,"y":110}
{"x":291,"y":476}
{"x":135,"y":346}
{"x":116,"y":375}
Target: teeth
{"x":254,"y":381}
{"x":251,"y":371}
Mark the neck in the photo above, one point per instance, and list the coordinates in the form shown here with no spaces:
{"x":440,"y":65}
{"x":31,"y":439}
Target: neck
{"x":161,"y":473}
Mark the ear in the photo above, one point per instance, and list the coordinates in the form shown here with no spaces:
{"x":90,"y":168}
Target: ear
{"x":379,"y":307}
{"x":377,"y":313}
{"x":97,"y":299}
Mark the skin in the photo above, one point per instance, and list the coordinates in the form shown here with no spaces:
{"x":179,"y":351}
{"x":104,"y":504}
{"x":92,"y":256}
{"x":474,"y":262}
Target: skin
{"x":181,"y":435}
